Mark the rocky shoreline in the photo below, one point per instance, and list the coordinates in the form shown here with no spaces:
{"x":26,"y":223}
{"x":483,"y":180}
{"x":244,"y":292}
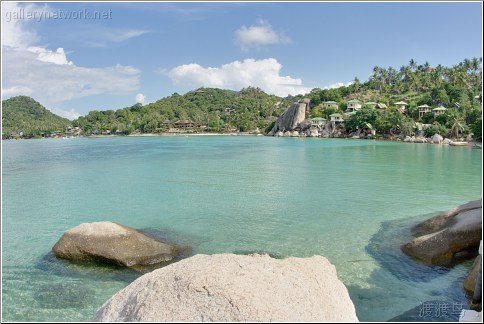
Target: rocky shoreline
{"x":255,"y":287}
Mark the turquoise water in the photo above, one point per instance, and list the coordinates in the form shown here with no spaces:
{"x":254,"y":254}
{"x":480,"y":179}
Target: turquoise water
{"x":351,"y":201}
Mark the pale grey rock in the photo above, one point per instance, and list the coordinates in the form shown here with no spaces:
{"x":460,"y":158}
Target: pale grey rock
{"x":279,"y":133}
{"x":108,"y":242}
{"x":292,"y":117}
{"x":295,"y":134}
{"x":436,"y":139}
{"x":446,"y":141}
{"x":234,"y":288}
{"x":408,"y":139}
{"x":313,"y":132}
{"x":287,"y":134}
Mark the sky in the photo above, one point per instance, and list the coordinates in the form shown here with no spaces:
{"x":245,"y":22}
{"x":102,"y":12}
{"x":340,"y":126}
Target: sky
{"x":78,"y":57}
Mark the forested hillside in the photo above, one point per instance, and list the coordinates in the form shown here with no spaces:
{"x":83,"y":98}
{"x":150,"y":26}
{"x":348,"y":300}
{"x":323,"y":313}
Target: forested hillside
{"x":217,"y":109}
{"x":457,"y":88}
{"x":24,"y":117}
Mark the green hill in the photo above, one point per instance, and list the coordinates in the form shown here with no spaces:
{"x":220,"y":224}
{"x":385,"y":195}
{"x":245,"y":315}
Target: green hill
{"x":209,"y":109}
{"x":24,"y":114}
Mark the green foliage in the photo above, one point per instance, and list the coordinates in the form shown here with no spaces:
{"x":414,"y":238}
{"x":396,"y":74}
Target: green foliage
{"x":326,"y":113}
{"x":436,"y":128}
{"x":219,"y":110}
{"x":476,"y":128}
{"x":24,"y":114}
{"x":359,"y":119}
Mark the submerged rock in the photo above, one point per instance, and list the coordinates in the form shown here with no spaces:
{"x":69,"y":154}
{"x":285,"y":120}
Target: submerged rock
{"x":444,"y":238}
{"x":109,"y":242}
{"x":234,"y":288}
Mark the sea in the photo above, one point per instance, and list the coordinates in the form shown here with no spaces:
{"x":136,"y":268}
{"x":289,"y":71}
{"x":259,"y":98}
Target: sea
{"x":351,"y":201}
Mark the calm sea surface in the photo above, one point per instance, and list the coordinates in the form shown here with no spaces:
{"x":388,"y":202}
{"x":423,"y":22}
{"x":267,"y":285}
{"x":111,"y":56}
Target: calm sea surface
{"x":351,"y":201}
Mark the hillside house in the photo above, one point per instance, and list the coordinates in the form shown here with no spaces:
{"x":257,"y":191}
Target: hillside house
{"x":370,"y":104}
{"x":330,"y":104}
{"x":423,"y":109}
{"x":440,"y":110}
{"x":401,"y":106}
{"x":318,"y":121}
{"x":337,"y":118}
{"x":353,"y":106}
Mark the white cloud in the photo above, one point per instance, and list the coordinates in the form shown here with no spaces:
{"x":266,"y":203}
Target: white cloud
{"x":338,"y":85}
{"x":46,"y":55}
{"x":13,"y":32}
{"x":48,"y":76}
{"x":69,"y":114}
{"x":258,"y":36}
{"x":264,"y":74}
{"x":54,"y":83}
{"x":101,"y":36}
{"x":140,"y":98}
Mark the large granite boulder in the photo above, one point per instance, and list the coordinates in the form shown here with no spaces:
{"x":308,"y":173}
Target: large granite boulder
{"x":113,"y":243}
{"x":234,"y":288}
{"x":444,"y":219}
{"x":305,"y":125}
{"x":436,"y":139}
{"x":292,"y":117}
{"x":446,"y":237}
{"x":470,"y":280}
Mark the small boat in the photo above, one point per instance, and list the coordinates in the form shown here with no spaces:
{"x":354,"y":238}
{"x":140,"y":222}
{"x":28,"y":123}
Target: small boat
{"x":458,"y":143}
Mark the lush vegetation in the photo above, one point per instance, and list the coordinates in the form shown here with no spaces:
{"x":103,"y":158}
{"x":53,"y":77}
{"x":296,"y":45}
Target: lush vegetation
{"x":25,"y":117}
{"x":217,"y":110}
{"x":455,"y":88}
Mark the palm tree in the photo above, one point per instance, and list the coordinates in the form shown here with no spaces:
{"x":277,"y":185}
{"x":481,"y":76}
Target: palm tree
{"x":413,"y":65}
{"x":457,"y":125}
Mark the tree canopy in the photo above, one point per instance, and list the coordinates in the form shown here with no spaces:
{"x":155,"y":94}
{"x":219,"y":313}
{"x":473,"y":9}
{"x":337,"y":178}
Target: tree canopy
{"x":25,"y":115}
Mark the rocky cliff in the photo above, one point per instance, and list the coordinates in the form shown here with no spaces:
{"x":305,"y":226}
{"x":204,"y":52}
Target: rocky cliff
{"x":292,"y":117}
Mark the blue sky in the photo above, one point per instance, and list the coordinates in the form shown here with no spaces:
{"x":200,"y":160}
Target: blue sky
{"x":145,"y":51}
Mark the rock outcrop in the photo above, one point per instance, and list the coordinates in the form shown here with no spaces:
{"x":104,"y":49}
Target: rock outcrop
{"x":436,"y":139}
{"x":470,"y":280}
{"x":443,"y":238}
{"x":113,"y":243}
{"x":291,"y":118}
{"x":234,"y":288}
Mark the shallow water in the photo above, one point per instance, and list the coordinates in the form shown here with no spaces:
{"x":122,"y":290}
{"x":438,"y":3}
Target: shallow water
{"x":351,"y":201}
